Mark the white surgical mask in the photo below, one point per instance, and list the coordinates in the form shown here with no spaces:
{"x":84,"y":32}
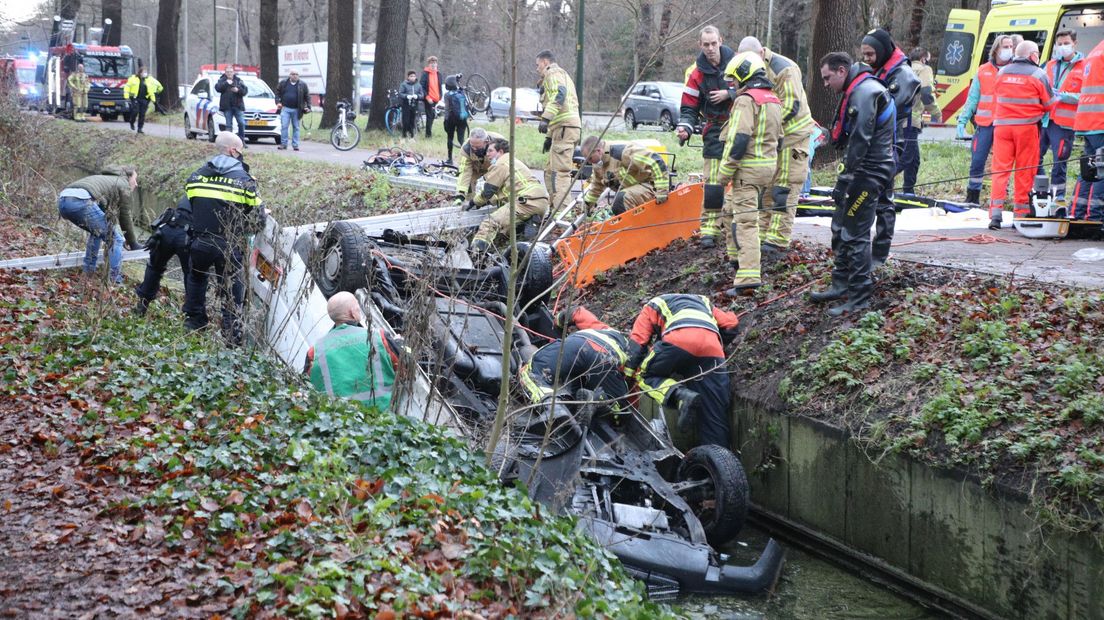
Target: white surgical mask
{"x":1061,"y":51}
{"x":144,"y":74}
{"x":1004,"y":55}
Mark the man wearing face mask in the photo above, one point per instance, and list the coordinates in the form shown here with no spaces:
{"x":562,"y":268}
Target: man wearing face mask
{"x":225,"y":211}
{"x":1065,"y":73}
{"x":1089,"y":204}
{"x":891,"y":66}
{"x":474,"y":162}
{"x":140,"y":90}
{"x":1023,"y":95}
{"x":979,"y":107}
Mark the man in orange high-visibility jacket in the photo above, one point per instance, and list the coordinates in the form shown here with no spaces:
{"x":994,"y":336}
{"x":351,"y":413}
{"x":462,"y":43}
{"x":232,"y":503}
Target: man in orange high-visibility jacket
{"x":1023,"y":97}
{"x":1065,"y":73}
{"x":1089,"y":123}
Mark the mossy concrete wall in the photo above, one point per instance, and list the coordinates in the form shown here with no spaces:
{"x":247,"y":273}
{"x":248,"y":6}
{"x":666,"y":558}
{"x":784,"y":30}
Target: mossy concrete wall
{"x":975,"y":547}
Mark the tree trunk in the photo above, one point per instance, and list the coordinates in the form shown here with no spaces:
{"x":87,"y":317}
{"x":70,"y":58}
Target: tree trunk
{"x":168,"y":23}
{"x":838,"y":28}
{"x":664,"y":32}
{"x":270,"y":42}
{"x":916,"y":24}
{"x":339,"y":66}
{"x":390,"y":56}
{"x":67,"y":9}
{"x":113,"y":10}
{"x":643,"y":42}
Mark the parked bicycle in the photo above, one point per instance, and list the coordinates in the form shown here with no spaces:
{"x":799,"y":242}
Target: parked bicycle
{"x":345,"y":135}
{"x":393,"y":117}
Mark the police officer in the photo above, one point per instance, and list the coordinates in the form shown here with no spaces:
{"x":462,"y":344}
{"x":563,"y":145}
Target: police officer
{"x":776,"y":223}
{"x":891,"y":66}
{"x":225,"y":210}
{"x":636,"y":173}
{"x":706,"y":100}
{"x":1023,"y":96}
{"x":980,"y":103}
{"x":531,"y":197}
{"x":474,"y":162}
{"x":1065,"y":72}
{"x":1090,"y":124}
{"x":561,"y":121}
{"x":754,"y":128}
{"x":683,"y":369}
{"x":169,"y":239}
{"x":592,"y":358}
{"x":864,"y":126}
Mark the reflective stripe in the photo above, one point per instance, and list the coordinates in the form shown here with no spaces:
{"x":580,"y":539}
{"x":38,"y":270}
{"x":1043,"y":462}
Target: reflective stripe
{"x":222,"y":195}
{"x":610,"y":344}
{"x":223,"y":188}
{"x":1020,"y":100}
{"x":1018,"y":121}
{"x":687,"y":317}
{"x":1095,"y":107}
{"x":660,"y":393}
{"x":537,"y":392}
{"x":984,"y":113}
{"x":986,"y":98}
{"x":747,"y":273}
{"x":693,"y":92}
{"x":1092,"y":90}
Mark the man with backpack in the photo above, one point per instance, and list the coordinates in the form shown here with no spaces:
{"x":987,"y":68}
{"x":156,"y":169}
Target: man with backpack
{"x":456,"y":115}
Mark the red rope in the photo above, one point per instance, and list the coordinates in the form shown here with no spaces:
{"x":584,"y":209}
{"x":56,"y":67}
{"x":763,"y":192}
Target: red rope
{"x":981,"y":239}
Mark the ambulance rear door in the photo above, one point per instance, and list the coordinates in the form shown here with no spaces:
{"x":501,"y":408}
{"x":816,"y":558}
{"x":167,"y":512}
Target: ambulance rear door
{"x":956,"y":61}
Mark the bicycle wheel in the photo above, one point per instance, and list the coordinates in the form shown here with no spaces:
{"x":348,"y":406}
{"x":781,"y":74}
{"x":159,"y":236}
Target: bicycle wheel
{"x":478,"y":91}
{"x":345,"y":136}
{"x":393,"y":120}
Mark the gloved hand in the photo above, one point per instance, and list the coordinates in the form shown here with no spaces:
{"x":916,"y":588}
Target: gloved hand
{"x":564,"y":317}
{"x":132,"y":245}
{"x":960,"y":133}
{"x":543,"y":127}
{"x":459,"y":198}
{"x":471,"y":205}
{"x":839,"y":192}
{"x":661,"y":198}
{"x":547,"y":145}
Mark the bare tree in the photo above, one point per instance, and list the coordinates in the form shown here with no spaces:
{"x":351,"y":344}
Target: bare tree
{"x":270,"y":41}
{"x":113,"y":10}
{"x":168,"y":23}
{"x":916,"y":22}
{"x":339,"y":65}
{"x":390,"y":56}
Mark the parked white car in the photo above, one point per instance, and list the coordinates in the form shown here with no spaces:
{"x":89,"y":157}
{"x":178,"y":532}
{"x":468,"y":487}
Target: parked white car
{"x":201,"y":105}
{"x":528,"y":102}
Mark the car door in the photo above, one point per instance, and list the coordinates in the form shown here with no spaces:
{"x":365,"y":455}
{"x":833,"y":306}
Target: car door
{"x":200,"y":94}
{"x":635,"y":100}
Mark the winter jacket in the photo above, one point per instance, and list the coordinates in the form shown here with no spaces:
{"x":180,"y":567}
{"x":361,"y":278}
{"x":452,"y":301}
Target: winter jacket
{"x":224,"y":200}
{"x":697,"y":109}
{"x":111,"y":190}
{"x":229,"y":99}
{"x":406,"y":89}
{"x":303,"y":94}
{"x":134,"y":84}
{"x":431,"y":84}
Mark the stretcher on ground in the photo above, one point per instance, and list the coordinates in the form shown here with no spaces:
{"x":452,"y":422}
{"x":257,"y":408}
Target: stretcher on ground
{"x":1049,"y":217}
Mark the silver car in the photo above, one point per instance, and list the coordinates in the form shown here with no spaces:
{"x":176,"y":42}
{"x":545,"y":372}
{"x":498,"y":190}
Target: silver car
{"x":652,"y":103}
{"x":528,"y":103}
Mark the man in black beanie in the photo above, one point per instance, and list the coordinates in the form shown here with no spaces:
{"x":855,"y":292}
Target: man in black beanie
{"x":892,"y":66}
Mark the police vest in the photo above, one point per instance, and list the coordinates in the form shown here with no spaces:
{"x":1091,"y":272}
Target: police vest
{"x":345,"y":366}
{"x":1067,"y":78}
{"x":1090,"y":109}
{"x":987,"y":84}
{"x":680,"y":311}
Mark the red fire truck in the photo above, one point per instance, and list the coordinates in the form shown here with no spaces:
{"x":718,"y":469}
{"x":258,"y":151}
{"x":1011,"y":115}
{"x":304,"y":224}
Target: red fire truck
{"x":108,"y":68}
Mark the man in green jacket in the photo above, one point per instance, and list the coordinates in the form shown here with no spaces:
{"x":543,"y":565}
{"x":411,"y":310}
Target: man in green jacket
{"x":93,"y":203}
{"x":350,"y":362}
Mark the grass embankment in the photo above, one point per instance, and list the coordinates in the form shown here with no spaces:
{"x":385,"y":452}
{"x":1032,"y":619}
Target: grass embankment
{"x":244,"y":493}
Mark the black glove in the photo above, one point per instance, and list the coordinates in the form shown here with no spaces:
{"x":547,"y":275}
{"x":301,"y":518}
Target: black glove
{"x":839,"y":192}
{"x":471,"y":205}
{"x":564,"y":317}
{"x":543,"y":127}
{"x":547,"y":145}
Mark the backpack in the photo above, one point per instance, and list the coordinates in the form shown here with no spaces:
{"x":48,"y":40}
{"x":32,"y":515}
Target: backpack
{"x":458,"y":107}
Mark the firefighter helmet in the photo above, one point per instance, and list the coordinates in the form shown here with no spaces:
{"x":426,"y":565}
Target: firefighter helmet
{"x":743,"y":66}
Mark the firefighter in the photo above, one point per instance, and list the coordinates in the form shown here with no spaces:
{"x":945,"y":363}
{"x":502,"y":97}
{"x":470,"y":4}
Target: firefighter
{"x":636,"y":173}
{"x":776,"y":223}
{"x":891,"y":66}
{"x":141,"y":88}
{"x":863,"y":127}
{"x":474,"y":162}
{"x":706,"y":101}
{"x":561,"y":122}
{"x":979,"y":107}
{"x":225,"y":211}
{"x":683,"y":369}
{"x":751,"y":157}
{"x":921,"y":65}
{"x":78,"y":88}
{"x":1089,"y":203}
{"x":531,"y":197}
{"x":1023,"y":95}
{"x":1065,"y":72}
{"x":592,"y":358}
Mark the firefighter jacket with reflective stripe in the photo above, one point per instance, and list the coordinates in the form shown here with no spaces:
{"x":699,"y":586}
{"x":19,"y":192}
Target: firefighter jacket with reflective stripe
{"x":343,"y":364}
{"x":473,"y":165}
{"x":797,"y":121}
{"x":751,"y":139}
{"x":1090,"y":107}
{"x":497,"y":185}
{"x":1023,"y":94}
{"x":561,"y":105}
{"x":689,"y":322}
{"x":696,"y":107}
{"x":1065,"y":78}
{"x":627,"y":165}
{"x":78,"y":83}
{"x":986,"y":85}
{"x":224,"y":199}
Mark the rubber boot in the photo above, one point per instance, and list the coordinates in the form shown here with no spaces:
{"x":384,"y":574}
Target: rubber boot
{"x":856,"y":302}
{"x":708,"y":242}
{"x":973,"y":196}
{"x":742,"y":289}
{"x":832,"y":293}
{"x":686,"y":400}
{"x":995,"y":222}
{"x":141,"y":307}
{"x":770,"y":253}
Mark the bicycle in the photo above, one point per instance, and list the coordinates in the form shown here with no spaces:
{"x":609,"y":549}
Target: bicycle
{"x":440,"y":170}
{"x":393,"y":117}
{"x":345,"y":135}
{"x":477,"y":90}
{"x":384,"y":158}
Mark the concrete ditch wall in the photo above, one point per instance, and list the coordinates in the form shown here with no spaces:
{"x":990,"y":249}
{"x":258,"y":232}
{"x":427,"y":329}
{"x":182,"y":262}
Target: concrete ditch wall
{"x":975,"y":547}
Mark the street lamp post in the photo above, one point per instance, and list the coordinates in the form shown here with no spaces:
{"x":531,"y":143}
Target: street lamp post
{"x":150,"y":42}
{"x":237,"y":23}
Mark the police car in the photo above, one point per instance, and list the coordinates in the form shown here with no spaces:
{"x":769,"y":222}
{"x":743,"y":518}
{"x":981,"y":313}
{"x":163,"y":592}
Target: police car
{"x":203,"y":118}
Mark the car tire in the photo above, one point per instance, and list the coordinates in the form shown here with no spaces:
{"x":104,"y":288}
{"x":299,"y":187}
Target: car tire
{"x":666,"y":122}
{"x":537,"y":276}
{"x":252,"y":139}
{"x":341,"y":260}
{"x":723,"y":507}
{"x":630,"y":119}
{"x":277,"y":140}
{"x":212,"y":133}
{"x":188,"y":135}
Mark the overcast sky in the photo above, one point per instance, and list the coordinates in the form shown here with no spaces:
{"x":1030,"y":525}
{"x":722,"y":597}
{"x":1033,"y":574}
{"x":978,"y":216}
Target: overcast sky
{"x":17,"y":10}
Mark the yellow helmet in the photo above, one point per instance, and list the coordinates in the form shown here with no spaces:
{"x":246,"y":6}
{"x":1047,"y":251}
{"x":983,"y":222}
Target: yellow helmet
{"x":743,"y":66}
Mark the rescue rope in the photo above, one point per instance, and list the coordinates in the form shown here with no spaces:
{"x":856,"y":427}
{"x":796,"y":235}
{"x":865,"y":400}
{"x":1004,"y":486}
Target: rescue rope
{"x":981,"y":239}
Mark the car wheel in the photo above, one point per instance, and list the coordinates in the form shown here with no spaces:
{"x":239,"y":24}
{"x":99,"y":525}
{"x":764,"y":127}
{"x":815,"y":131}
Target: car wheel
{"x":537,"y":277}
{"x":188,"y":135}
{"x":252,"y":139}
{"x":721,"y":502}
{"x":277,"y":140}
{"x":212,"y":133}
{"x":630,"y":119}
{"x":666,"y":122}
{"x":341,"y":261}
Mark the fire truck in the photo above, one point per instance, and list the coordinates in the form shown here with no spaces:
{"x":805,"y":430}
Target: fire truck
{"x":108,"y":68}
